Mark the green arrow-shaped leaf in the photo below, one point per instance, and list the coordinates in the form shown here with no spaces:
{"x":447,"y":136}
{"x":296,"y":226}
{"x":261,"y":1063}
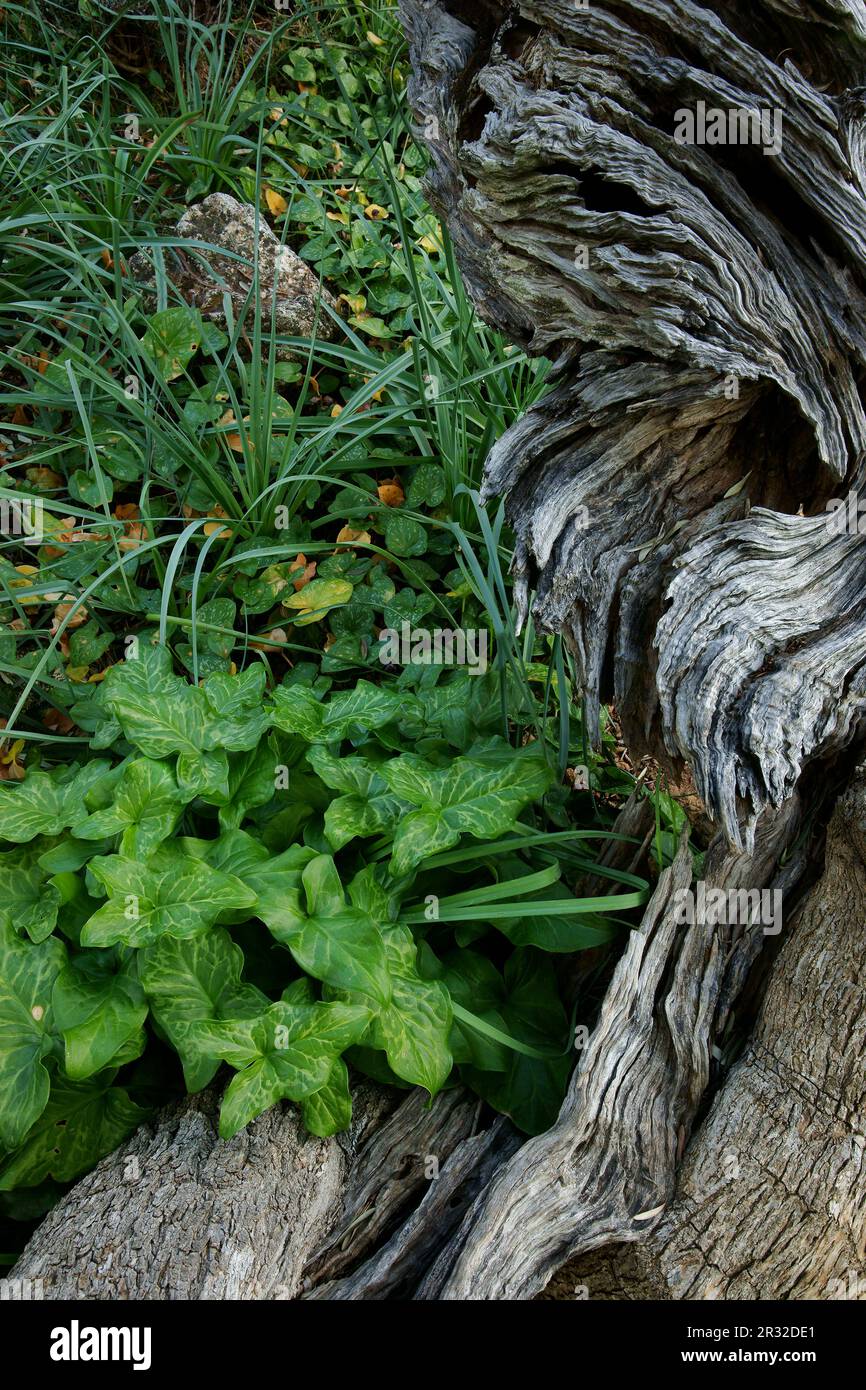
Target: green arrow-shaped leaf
{"x":170,"y":894}
{"x":146,"y":808}
{"x":287,"y":1053}
{"x":100,"y":1009}
{"x":197,"y":981}
{"x":80,"y":1124}
{"x":29,"y":901}
{"x":45,"y":803}
{"x":480,"y":795}
{"x":27,"y":975}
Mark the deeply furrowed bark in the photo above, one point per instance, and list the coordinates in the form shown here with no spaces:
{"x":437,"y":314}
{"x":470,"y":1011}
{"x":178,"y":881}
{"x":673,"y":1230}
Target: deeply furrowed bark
{"x":771,"y":1199}
{"x":705,"y":307}
{"x":177,"y":1213}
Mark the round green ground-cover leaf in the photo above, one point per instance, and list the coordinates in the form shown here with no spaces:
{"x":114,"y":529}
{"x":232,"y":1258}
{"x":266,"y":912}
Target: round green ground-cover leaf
{"x":172,"y":338}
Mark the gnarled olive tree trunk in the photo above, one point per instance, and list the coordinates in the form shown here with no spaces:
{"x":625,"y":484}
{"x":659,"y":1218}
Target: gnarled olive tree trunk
{"x":669,"y":201}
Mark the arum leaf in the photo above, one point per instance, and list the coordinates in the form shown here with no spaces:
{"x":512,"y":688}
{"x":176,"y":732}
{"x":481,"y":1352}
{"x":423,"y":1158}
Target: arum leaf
{"x":161,"y":714}
{"x":146,"y":808}
{"x":413,"y":1027}
{"x":479,"y":795}
{"x":79,"y":1125}
{"x":194,"y":981}
{"x":45,"y":803}
{"x":203,"y":774}
{"x":28,"y":899}
{"x":329,"y":1110}
{"x":168,"y":894}
{"x":156,"y":710}
{"x":287,"y":1053}
{"x":251,"y":783}
{"x":27,"y":975}
{"x":531,"y":1089}
{"x":100,"y":1008}
{"x":306,"y":909}
{"x":298,"y":710}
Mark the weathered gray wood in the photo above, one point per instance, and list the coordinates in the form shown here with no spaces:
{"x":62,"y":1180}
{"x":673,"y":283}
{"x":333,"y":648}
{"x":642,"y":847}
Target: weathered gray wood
{"x":177,"y":1213}
{"x":606,"y":1171}
{"x":706,"y":306}
{"x":771,"y":1201}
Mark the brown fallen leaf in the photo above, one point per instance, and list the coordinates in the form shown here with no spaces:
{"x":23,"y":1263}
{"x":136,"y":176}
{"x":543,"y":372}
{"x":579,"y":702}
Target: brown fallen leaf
{"x":301,"y":571}
{"x":266,"y":641}
{"x":57,"y":721}
{"x":391,"y":493}
{"x":134,"y":532}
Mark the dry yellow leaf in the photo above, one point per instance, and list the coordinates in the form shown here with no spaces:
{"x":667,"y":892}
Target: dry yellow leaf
{"x":276,"y":202}
{"x":43,"y":478}
{"x":348,"y":536}
{"x":26,"y":572}
{"x":356,"y":302}
{"x":11,"y":753}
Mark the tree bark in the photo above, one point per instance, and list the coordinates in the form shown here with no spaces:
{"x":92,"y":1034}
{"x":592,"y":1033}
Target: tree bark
{"x":771,"y":1198}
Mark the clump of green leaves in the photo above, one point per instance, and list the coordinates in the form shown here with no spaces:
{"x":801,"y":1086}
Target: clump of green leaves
{"x":392,"y":905}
